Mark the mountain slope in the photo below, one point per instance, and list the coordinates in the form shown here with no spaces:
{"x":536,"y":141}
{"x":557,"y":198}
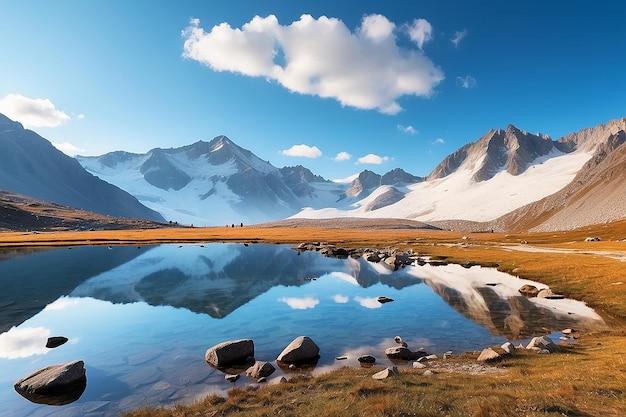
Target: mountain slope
{"x":596,"y":195}
{"x":502,"y":171}
{"x":30,"y":165}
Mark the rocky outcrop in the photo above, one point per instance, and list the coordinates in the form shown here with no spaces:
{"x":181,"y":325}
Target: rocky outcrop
{"x":230,"y":353}
{"x":390,"y":257}
{"x":54,"y":385}
{"x":301,"y":349}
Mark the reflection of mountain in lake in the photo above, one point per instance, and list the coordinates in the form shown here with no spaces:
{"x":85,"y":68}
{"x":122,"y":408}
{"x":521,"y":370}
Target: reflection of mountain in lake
{"x":491,"y":299}
{"x":218,"y":278}
{"x":31,"y":280}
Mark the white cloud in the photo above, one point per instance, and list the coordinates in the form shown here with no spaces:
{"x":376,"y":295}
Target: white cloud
{"x":372,"y":159}
{"x":466,"y":82}
{"x":300,"y":303}
{"x":407,"y":129}
{"x":421,"y":31}
{"x":81,"y":116}
{"x":342,"y":156}
{"x":438,"y":141}
{"x":302,"y":151}
{"x":32,"y":112}
{"x":365,"y":68}
{"x":458,"y":37}
{"x":340,"y":299}
{"x":68,"y":149}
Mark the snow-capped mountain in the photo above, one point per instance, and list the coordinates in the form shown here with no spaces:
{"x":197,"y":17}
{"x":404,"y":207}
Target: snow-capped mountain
{"x":215,"y":183}
{"x":596,"y":195}
{"x":486,"y":179}
{"x":30,"y":165}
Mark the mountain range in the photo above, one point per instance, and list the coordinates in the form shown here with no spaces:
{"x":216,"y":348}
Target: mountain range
{"x":508,"y":179}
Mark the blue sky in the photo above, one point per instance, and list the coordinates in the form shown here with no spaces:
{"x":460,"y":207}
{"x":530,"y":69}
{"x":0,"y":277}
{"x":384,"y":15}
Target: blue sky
{"x":337,"y":86}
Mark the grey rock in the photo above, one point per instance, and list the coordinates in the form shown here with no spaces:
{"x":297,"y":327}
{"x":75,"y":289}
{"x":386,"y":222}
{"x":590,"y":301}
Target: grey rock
{"x":229,"y":353}
{"x":54,"y":385}
{"x":387,"y":373}
{"x":488,"y":355}
{"x":367,"y":359}
{"x":260,"y":369}
{"x":402,"y":353}
{"x":301,"y":349}
{"x":232,"y":377}
{"x":542,"y":343}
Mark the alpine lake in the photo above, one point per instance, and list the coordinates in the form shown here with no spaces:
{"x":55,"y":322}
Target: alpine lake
{"x":142,"y":317}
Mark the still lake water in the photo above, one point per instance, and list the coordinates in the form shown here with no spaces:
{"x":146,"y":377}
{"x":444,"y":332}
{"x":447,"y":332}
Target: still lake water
{"x":141,"y":318}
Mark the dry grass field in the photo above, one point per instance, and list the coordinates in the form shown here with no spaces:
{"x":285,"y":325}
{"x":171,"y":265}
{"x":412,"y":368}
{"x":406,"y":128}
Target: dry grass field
{"x":586,"y":379}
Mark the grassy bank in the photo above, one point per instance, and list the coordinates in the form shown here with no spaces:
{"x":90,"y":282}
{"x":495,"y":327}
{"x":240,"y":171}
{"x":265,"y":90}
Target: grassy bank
{"x":586,"y":379}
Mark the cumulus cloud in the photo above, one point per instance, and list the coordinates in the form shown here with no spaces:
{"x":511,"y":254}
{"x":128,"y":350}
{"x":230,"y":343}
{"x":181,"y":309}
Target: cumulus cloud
{"x":466,"y":82}
{"x":420,"y":32}
{"x":438,"y":141}
{"x":68,"y":149}
{"x":304,"y":151}
{"x":372,"y":159}
{"x":342,"y":156}
{"x":407,"y":129}
{"x":458,"y":37}
{"x":364,"y":68}
{"x":30,"y":112}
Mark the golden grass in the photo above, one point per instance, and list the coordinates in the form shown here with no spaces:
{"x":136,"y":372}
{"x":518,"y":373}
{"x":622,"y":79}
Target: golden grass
{"x":588,"y":379}
{"x":579,"y":381}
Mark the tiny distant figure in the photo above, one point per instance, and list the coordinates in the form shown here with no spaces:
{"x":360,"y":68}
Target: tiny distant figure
{"x":241,"y":224}
{"x":232,"y":225}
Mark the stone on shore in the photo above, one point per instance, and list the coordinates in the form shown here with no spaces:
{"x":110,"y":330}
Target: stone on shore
{"x":542,"y":343}
{"x":387,"y":373}
{"x":230,"y":353}
{"x":260,"y":370}
{"x":54,"y":385}
{"x":301,"y":349}
{"x":489,"y":355}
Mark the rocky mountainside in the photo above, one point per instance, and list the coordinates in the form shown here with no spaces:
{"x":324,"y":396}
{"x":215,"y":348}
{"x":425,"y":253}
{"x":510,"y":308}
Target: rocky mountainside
{"x":510,"y":180}
{"x":511,"y":150}
{"x":30,"y":165}
{"x":597,"y":194}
